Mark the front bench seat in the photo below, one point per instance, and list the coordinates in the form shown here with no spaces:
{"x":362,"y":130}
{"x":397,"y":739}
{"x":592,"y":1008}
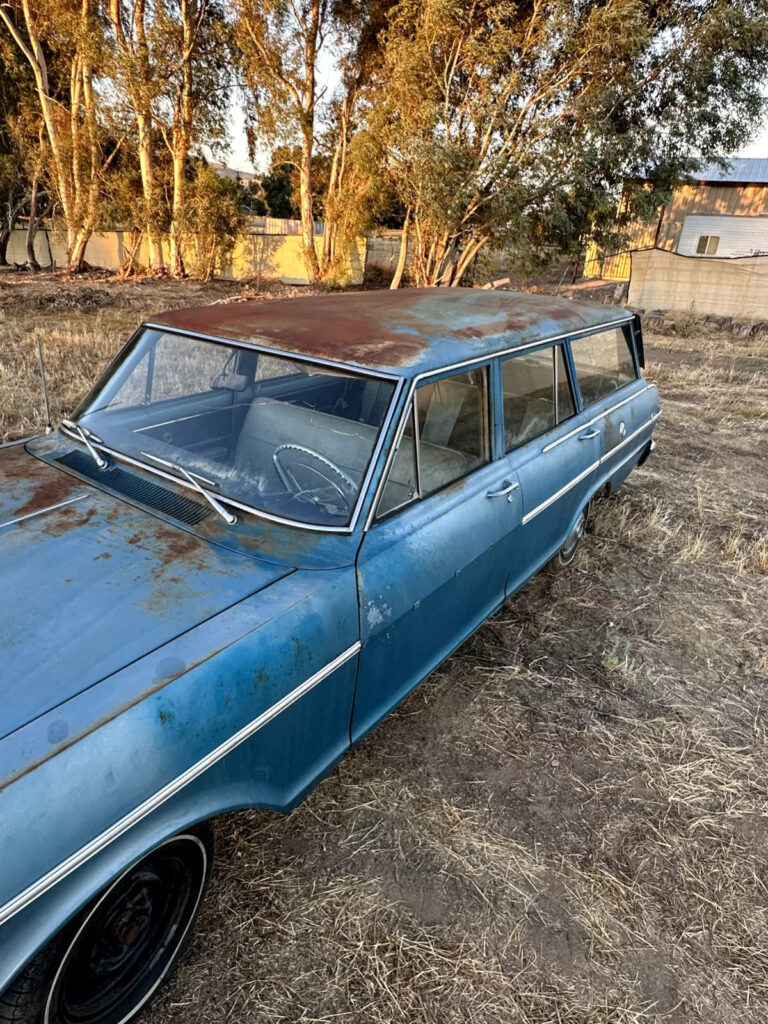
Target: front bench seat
{"x":270,"y":423}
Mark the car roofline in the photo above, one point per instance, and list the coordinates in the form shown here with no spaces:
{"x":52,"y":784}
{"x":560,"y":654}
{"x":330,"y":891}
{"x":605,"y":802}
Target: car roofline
{"x":398,"y":341}
{"x":263,"y":345}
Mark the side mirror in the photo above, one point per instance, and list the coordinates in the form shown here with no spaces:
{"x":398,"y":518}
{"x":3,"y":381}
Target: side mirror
{"x":229,"y":382}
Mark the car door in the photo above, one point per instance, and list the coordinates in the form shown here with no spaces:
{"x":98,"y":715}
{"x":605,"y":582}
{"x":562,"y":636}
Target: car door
{"x":617,"y":401}
{"x":432,"y":567}
{"x":551,"y":448}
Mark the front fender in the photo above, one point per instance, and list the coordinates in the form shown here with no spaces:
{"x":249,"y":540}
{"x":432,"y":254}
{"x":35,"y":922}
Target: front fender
{"x":247,"y":710}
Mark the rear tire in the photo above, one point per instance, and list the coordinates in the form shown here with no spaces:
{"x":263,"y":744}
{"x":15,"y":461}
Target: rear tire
{"x":566,"y":556}
{"x":106,"y":964}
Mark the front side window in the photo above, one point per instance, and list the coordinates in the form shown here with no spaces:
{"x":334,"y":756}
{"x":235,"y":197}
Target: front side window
{"x":445,"y":437}
{"x":603,"y":364}
{"x":537,"y":395}
{"x":283,"y":436}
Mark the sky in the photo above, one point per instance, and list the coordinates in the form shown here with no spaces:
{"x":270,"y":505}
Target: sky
{"x":328,"y":77}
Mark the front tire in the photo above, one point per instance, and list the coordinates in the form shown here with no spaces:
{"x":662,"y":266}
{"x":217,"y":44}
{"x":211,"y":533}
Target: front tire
{"x":105,"y":966}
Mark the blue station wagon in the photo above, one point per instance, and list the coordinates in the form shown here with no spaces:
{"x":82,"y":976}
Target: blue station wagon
{"x":264,"y":526}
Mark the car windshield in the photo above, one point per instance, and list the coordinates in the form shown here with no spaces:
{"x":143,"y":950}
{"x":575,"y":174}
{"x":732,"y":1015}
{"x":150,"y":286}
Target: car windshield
{"x":280,"y":435}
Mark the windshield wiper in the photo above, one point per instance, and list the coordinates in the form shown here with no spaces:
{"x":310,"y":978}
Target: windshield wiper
{"x":85,"y":436}
{"x":195,"y":481}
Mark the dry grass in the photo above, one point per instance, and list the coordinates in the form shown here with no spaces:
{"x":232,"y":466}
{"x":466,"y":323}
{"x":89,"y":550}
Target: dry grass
{"x":568,"y":823}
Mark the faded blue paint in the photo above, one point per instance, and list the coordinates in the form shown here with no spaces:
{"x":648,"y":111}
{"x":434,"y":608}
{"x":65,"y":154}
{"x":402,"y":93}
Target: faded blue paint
{"x":132,"y":647}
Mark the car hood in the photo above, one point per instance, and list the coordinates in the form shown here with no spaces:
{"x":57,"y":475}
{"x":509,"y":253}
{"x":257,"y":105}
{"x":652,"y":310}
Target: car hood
{"x":90,"y":583}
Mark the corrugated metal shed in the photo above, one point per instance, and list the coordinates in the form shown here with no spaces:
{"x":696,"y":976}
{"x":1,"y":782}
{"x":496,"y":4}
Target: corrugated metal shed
{"x":739,"y":171}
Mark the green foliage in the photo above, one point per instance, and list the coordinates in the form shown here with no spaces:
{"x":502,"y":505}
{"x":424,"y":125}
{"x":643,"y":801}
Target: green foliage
{"x":520,"y":124}
{"x":214,"y":219}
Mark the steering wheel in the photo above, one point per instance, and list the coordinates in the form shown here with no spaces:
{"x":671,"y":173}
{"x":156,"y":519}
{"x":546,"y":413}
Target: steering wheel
{"x":288,"y":477}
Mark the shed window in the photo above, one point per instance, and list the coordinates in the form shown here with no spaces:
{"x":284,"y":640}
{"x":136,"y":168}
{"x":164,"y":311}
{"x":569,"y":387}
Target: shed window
{"x":603,"y":364}
{"x":537,"y":395}
{"x":707,"y":245}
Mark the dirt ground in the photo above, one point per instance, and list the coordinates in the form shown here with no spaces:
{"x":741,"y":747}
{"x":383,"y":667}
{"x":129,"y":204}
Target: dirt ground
{"x":568,"y":823}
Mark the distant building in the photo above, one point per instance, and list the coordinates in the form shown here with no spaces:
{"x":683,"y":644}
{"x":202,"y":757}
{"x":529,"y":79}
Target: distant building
{"x":230,"y":172}
{"x":719,"y":213}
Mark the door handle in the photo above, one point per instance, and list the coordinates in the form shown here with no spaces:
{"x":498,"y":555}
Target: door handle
{"x":589,"y":434}
{"x":507,"y":489}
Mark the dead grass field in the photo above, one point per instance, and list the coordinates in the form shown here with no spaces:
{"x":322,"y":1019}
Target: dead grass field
{"x":568,"y":823}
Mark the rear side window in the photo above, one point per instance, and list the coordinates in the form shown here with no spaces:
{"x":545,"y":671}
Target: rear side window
{"x":537,"y":395}
{"x":445,"y":437}
{"x":603,"y":364}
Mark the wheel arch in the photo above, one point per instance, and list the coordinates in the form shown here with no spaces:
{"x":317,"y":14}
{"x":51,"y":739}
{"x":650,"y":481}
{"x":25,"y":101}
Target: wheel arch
{"x":28,"y":931}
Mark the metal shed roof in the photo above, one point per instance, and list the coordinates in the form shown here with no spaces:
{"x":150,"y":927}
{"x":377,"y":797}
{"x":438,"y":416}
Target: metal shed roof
{"x":738,"y":171}
{"x":407,"y":331}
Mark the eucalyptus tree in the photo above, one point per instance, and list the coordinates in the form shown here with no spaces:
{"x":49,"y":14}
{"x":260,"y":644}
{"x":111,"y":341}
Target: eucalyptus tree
{"x":280,"y":41}
{"x":15,"y":186}
{"x":192,"y":108}
{"x":517,"y":123}
{"x":62,"y":44}
{"x":137,"y":74}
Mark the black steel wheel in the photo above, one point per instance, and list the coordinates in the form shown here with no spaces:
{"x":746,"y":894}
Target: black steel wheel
{"x":104,"y":967}
{"x":568,"y":551}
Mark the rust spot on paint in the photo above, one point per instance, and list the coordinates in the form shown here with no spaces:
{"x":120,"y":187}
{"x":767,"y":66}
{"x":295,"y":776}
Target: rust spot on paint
{"x":104,"y":554}
{"x":384,"y":328}
{"x":68,"y":518}
{"x":47,"y":487}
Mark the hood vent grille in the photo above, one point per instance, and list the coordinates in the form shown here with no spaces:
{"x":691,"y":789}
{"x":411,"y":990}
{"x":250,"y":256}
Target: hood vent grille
{"x":155,"y":496}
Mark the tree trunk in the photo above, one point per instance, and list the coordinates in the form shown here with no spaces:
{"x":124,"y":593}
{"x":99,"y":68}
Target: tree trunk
{"x":182,"y":128}
{"x":76,"y":251}
{"x":5,"y":237}
{"x":178,"y":269}
{"x":307,"y":212}
{"x":146,"y":166}
{"x":335,"y":196}
{"x":32,"y":226}
{"x":403,"y":254}
{"x":466,"y":258}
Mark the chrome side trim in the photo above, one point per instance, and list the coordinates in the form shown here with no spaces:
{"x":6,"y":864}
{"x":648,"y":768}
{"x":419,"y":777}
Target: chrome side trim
{"x":627,"y":440}
{"x":606,"y":412}
{"x":100,"y":842}
{"x":19,"y":440}
{"x":603,"y":458}
{"x":42,"y":511}
{"x":558,"y":494}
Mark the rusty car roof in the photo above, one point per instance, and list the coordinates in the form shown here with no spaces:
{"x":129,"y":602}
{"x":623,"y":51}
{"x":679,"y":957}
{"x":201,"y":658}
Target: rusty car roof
{"x":405,"y":332}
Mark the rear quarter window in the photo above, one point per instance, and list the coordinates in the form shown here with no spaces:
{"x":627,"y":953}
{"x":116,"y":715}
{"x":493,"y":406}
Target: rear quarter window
{"x":603,"y":363}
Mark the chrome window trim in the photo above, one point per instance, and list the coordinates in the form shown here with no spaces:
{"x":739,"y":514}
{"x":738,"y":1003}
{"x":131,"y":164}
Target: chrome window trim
{"x":484,"y":360}
{"x":349,"y":528}
{"x":120,"y":827}
{"x":416,"y":444}
{"x":605,"y":412}
{"x":42,"y":511}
